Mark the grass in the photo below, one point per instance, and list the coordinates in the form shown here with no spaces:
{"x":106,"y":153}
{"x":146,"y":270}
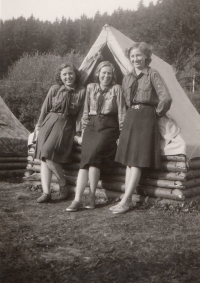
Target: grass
{"x":44,"y":243}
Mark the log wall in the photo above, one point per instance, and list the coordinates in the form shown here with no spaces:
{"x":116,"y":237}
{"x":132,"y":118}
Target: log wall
{"x":177,"y":178}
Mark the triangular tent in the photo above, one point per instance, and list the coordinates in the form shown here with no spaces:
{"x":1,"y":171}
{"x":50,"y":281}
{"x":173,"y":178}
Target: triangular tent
{"x":13,"y":135}
{"x":111,"y":44}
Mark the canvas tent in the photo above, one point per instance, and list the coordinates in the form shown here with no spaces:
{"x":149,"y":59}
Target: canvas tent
{"x":111,"y":45}
{"x":179,"y":175}
{"x":13,"y":142}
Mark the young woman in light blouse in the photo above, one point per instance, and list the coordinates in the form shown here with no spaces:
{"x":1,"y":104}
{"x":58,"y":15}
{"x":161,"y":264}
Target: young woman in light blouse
{"x":103,"y":116}
{"x":57,"y":127}
{"x":147,"y":99}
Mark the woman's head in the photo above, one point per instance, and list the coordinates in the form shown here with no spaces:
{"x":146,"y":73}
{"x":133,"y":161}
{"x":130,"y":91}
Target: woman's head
{"x":105,"y":74}
{"x":139,"y":53}
{"x":67,"y":74}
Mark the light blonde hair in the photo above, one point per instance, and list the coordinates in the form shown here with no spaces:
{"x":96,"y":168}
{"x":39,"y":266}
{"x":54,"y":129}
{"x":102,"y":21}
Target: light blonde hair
{"x":98,"y":69}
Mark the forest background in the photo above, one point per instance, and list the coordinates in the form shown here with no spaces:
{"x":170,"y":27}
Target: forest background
{"x":31,"y":49}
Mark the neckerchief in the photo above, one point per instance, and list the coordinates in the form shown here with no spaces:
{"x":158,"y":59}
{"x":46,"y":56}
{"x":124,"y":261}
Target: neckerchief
{"x":70,"y":92}
{"x":100,"y":99}
{"x":134,"y":85}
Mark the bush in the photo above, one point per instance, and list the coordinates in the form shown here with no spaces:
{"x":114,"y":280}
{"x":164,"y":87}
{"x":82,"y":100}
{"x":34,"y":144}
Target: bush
{"x":27,"y":84}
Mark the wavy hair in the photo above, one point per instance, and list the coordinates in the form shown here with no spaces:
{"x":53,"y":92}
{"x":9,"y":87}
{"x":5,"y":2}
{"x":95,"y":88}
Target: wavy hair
{"x":143,"y":47}
{"x":67,"y":65}
{"x":98,"y":69}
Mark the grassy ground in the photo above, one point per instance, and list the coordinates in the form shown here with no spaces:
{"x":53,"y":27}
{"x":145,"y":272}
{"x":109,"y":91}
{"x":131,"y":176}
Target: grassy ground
{"x":44,"y":243}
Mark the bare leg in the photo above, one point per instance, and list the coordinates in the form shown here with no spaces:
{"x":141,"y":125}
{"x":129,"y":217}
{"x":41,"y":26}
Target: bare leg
{"x":94,"y":175}
{"x":128,"y":171}
{"x":46,"y":175}
{"x":131,"y":184}
{"x":82,"y":181}
{"x":57,"y":169}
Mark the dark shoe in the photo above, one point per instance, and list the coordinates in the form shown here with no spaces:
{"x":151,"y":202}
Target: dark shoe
{"x":63,"y":192}
{"x":75,"y":205}
{"x":121,"y":208}
{"x":44,"y":198}
{"x":91,"y":204}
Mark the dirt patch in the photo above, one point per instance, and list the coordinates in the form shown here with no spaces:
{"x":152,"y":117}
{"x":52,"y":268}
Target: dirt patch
{"x":44,"y":243}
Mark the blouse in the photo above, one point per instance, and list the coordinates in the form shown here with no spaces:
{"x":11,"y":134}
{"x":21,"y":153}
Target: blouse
{"x":58,"y":99}
{"x":113,"y":103}
{"x":152,"y":90}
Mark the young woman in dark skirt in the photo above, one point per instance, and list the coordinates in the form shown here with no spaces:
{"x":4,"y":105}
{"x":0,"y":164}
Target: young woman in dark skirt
{"x":103,"y":116}
{"x":57,"y":127}
{"x":147,"y":98}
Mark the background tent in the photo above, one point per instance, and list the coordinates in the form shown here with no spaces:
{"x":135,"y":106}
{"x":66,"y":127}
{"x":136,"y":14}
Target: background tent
{"x":13,"y":141}
{"x":111,"y":45}
{"x":178,"y":178}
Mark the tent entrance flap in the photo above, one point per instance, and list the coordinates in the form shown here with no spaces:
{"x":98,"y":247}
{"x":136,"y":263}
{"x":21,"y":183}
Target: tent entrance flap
{"x":108,"y":56}
{"x":87,"y":69}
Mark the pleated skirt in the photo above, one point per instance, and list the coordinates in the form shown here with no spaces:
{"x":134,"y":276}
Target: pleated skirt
{"x":139,"y":142}
{"x":55,"y":138}
{"x":99,"y":141}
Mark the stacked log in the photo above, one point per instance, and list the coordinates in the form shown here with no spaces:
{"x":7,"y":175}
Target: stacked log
{"x":177,"y":178}
{"x":12,"y":164}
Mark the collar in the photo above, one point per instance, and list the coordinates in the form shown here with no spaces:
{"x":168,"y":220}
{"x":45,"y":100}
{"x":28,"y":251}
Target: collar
{"x":64,"y":88}
{"x":98,"y":88}
{"x":144,"y":71}
{"x":129,"y":78}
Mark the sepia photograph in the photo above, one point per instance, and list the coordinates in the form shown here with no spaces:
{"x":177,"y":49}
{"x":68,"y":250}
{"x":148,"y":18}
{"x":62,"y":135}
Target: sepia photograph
{"x":99,"y":141}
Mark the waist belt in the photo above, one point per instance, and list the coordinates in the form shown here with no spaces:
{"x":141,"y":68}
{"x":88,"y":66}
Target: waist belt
{"x":137,"y":106}
{"x":108,"y":115}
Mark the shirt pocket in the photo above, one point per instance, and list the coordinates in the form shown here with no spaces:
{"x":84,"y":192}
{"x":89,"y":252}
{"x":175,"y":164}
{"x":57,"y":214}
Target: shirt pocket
{"x":110,"y":101}
{"x":93,"y":102}
{"x":144,"y":95}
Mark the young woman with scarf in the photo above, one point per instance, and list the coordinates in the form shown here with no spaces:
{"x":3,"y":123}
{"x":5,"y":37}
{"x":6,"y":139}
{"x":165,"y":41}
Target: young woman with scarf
{"x":103,"y":116}
{"x":57,"y":127}
{"x":147,"y":98}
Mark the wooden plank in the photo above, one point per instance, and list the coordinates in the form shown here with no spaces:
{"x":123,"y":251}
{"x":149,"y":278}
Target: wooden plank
{"x":162,"y":183}
{"x":192,"y":174}
{"x":158,"y":192}
{"x":12,"y":159}
{"x":16,"y":165}
{"x":194,"y":164}
{"x":12,"y":172}
{"x":188,"y":193}
{"x":173,"y":157}
{"x":192,"y":183}
{"x":172,"y":166}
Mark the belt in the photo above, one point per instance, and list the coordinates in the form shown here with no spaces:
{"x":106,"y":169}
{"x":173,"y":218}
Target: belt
{"x":106,"y":115}
{"x":135,"y":106}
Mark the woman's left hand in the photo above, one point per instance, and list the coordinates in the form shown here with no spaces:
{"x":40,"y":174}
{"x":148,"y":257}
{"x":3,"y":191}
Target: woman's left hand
{"x":117,"y":142}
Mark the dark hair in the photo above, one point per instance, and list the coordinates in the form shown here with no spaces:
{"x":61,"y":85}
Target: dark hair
{"x":143,"y":47}
{"x":67,"y":65}
{"x":98,"y":69}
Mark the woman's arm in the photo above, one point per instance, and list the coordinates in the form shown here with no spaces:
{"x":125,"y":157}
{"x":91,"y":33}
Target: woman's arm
{"x":46,"y":107}
{"x":80,"y":112}
{"x":120,"y":105}
{"x":86,"y":110}
{"x":162,"y":91}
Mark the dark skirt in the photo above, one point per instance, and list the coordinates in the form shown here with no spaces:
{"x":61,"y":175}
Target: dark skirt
{"x":99,"y":141}
{"x":55,"y":138}
{"x":139,"y":142}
